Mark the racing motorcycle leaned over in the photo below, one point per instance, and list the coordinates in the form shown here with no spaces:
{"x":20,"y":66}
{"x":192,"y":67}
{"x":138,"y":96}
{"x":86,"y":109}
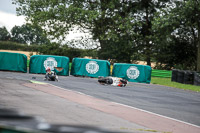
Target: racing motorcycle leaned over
{"x":114,"y":81}
{"x":50,"y":75}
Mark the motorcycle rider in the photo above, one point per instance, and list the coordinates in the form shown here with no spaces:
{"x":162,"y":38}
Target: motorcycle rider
{"x":50,"y":75}
{"x":114,"y":81}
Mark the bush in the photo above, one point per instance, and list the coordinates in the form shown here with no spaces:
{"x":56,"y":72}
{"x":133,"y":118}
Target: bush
{"x":8,"y":45}
{"x":50,"y":49}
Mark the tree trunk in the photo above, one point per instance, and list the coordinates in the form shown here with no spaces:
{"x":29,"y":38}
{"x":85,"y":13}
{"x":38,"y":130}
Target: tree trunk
{"x":198,"y":51}
{"x":148,"y":61}
{"x":148,"y":45}
{"x":148,"y":55}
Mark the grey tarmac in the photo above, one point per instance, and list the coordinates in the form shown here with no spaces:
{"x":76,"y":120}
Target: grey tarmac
{"x":171,"y":102}
{"x":56,"y":110}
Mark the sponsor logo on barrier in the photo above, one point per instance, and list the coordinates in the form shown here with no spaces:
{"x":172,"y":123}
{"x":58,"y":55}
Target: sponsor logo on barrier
{"x":50,"y":62}
{"x":133,"y":72}
{"x":92,"y":67}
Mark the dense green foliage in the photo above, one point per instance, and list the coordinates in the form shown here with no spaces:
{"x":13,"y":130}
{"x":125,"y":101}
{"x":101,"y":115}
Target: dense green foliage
{"x":29,"y":34}
{"x":25,"y":34}
{"x":64,"y":50}
{"x":8,"y":45}
{"x":4,"y":34}
{"x":123,"y":28}
{"x":164,"y":31}
{"x":177,"y":35}
{"x":50,"y":49}
{"x":31,"y":38}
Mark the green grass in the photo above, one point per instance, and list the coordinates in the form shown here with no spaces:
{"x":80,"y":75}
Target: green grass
{"x":28,"y":63}
{"x":167,"y":82}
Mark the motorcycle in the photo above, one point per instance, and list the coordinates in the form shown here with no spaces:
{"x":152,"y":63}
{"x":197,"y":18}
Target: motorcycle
{"x":51,"y":76}
{"x":114,"y":81}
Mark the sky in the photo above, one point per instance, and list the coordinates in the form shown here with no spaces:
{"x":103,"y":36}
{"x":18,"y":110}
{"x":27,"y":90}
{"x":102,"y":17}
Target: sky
{"x":8,"y":17}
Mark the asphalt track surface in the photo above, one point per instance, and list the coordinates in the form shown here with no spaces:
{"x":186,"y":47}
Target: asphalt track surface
{"x":170,"y":102}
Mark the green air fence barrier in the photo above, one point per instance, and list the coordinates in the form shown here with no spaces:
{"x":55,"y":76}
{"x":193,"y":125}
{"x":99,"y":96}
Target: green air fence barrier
{"x":13,"y":62}
{"x":161,"y":73}
{"x":132,"y":72}
{"x":59,"y":64}
{"x":90,"y":67}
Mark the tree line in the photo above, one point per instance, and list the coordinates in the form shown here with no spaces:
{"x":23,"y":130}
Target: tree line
{"x":164,"y":31}
{"x":30,"y":38}
{"x":25,"y":34}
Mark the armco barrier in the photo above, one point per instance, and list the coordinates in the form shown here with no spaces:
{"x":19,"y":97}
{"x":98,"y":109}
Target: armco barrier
{"x":13,"y":62}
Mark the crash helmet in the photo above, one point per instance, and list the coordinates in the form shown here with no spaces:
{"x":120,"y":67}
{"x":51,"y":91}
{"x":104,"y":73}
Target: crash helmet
{"x":48,"y":69}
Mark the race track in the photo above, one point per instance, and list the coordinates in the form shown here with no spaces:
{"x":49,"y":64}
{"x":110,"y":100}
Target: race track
{"x":170,"y":102}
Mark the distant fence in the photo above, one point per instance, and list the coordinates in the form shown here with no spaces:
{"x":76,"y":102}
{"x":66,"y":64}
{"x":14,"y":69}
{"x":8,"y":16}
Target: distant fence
{"x":161,"y":73}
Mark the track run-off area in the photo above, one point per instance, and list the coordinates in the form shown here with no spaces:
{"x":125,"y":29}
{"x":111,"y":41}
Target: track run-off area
{"x":153,"y":107}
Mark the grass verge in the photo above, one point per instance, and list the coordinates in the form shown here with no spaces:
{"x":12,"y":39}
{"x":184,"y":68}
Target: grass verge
{"x":167,"y":82}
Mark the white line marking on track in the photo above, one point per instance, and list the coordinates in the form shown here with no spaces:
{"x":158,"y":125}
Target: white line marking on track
{"x":133,"y":108}
{"x":158,"y":115}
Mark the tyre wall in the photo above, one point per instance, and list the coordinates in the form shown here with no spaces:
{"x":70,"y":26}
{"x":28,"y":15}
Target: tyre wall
{"x":185,"y":77}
